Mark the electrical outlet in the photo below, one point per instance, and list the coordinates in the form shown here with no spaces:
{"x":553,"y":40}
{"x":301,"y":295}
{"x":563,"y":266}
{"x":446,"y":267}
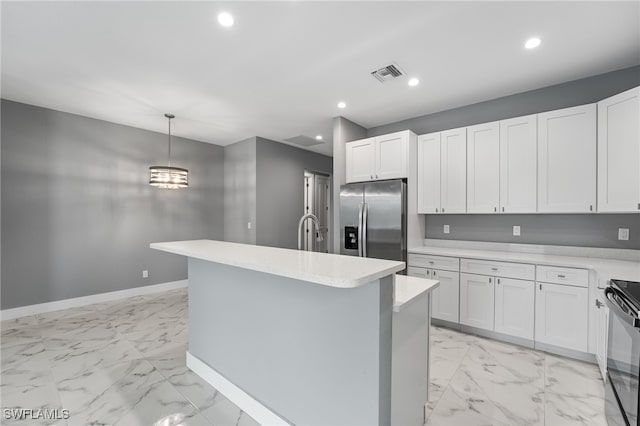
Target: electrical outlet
{"x":446,"y":229}
{"x":248,"y":225}
{"x":145,"y":274}
{"x":623,"y":234}
{"x":516,"y":230}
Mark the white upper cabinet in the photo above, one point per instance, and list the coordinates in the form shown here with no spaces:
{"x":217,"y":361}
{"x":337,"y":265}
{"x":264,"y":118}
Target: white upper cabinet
{"x":392,"y":152}
{"x":483,"y":168}
{"x":360,"y":160}
{"x":378,"y":158}
{"x":453,"y":172}
{"x":518,"y":179}
{"x":567,"y":160}
{"x":619,"y":152}
{"x":429,"y":173}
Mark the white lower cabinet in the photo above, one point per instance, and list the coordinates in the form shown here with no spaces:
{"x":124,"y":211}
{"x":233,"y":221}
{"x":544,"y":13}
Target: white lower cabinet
{"x":477,"y":301}
{"x":602,"y":335}
{"x":445,"y":298}
{"x":562,"y":316}
{"x":515,"y":305}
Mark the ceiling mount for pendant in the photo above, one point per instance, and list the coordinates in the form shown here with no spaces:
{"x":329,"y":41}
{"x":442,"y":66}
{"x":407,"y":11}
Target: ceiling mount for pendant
{"x":168,"y":177}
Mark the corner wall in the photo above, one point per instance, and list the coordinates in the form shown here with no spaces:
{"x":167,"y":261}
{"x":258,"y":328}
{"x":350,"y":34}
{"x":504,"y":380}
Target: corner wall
{"x":240,"y":191}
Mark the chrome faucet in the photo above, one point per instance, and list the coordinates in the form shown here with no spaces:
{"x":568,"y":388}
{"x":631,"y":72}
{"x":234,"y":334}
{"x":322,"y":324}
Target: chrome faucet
{"x":316,"y":223}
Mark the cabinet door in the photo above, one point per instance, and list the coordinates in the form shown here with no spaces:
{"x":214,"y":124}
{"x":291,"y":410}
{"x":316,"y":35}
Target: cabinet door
{"x":483,"y":168}
{"x":477,"y":301}
{"x":429,"y":173}
{"x":454,"y":171}
{"x":515,"y":304}
{"x":567,"y":160}
{"x":602,"y":331}
{"x":619,"y":152}
{"x":392,"y":152}
{"x":360,"y":160}
{"x":446,"y":297}
{"x":562,"y":316}
{"x":414,"y":271}
{"x":518,"y":168}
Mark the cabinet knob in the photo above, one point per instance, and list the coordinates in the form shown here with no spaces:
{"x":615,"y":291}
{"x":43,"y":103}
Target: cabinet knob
{"x":489,"y":280}
{"x":599,"y":304}
{"x":498,"y":281}
{"x":437,"y":209}
{"x":371,"y":176}
{"x":443,"y":210}
{"x":376,"y":176}
{"x":495,"y":209}
{"x":591,"y":207}
{"x":503,"y":210}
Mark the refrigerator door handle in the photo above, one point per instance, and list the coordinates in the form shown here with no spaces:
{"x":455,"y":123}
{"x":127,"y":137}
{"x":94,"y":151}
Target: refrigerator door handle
{"x":360,"y":208}
{"x":365,"y":214}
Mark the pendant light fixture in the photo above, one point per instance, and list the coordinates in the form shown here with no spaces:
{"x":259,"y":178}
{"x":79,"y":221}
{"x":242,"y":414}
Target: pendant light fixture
{"x":166,"y":176}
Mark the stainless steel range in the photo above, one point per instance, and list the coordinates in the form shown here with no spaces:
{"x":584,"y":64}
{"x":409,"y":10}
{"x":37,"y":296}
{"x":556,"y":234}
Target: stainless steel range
{"x":623,"y":353}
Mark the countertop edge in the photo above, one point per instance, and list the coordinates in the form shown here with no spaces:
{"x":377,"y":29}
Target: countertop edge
{"x":426,"y":286}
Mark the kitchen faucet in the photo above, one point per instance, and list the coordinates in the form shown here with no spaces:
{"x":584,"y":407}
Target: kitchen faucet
{"x":316,"y":223}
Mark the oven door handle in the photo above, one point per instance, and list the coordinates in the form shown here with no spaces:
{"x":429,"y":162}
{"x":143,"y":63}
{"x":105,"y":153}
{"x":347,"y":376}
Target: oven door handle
{"x":615,"y":306}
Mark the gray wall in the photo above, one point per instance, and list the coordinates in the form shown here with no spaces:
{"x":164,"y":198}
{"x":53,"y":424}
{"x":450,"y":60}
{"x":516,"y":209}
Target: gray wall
{"x":343,"y":131}
{"x":77,"y":211}
{"x":572,"y":93}
{"x":240,"y":191}
{"x":280,"y":190}
{"x":574,"y":230}
{"x":582,"y":230}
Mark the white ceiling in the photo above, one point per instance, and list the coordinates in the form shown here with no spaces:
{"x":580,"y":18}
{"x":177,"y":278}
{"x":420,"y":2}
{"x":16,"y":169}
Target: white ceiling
{"x":281,"y":69}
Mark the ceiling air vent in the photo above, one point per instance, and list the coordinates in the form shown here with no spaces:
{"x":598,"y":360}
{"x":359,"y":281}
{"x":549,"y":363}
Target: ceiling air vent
{"x":387,"y":73}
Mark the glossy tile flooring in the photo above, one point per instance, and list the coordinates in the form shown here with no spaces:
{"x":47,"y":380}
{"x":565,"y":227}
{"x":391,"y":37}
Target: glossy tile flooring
{"x":477,"y":381}
{"x":123,"y":363}
{"x":116,"y":363}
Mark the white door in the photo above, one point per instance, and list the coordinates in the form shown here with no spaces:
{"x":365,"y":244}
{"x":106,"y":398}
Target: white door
{"x":446,"y":296}
{"x":483,"y":168}
{"x":454,"y":171}
{"x":567,"y":160}
{"x":515,"y":305}
{"x":477,"y":301}
{"x":360,"y":160}
{"x":602,"y":332}
{"x":518,"y":167}
{"x":392,"y":152}
{"x":562,"y":316}
{"x":429,"y":173}
{"x":619,"y":152}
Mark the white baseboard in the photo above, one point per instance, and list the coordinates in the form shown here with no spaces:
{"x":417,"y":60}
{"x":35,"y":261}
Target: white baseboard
{"x":244,"y":401}
{"x":42,"y":308}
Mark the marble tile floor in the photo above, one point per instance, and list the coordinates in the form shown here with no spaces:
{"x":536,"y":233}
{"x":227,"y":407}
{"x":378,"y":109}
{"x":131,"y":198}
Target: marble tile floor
{"x":123,"y":363}
{"x":116,"y":363}
{"x":477,"y":381}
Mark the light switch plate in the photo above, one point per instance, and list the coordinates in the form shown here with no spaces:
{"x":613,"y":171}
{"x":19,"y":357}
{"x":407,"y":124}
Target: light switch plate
{"x":145,"y":274}
{"x":516,"y":230}
{"x":248,"y":225}
{"x":623,"y":234}
{"x":446,"y":229}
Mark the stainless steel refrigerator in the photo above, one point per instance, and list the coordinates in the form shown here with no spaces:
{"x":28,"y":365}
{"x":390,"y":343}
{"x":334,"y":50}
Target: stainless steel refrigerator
{"x":373,"y":219}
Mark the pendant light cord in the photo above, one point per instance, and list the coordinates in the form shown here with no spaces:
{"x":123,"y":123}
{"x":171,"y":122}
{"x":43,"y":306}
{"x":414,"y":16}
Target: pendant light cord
{"x":169,"y":141}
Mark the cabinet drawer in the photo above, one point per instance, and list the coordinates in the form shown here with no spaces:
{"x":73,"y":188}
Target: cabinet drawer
{"x":520,"y":271}
{"x":434,"y":262}
{"x":414,"y":271}
{"x":562,"y":275}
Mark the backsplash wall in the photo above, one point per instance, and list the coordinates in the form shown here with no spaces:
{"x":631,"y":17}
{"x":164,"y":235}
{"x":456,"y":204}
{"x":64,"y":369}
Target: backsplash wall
{"x":582,"y":230}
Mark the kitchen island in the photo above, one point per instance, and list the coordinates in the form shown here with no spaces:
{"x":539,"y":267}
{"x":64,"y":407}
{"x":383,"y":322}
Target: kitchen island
{"x":296,"y":337}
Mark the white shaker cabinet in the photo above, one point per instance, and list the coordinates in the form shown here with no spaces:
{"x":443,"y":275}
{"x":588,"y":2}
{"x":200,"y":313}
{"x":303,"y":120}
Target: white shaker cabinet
{"x":567,"y":160}
{"x":453,"y":178}
{"x":378,"y":158}
{"x":602,"y":334}
{"x":562,"y":316}
{"x":445,"y":303}
{"x":429,"y":173}
{"x":483,"y":168}
{"x":619,"y":152}
{"x":518,"y":167}
{"x":515,"y":305}
{"x":360,"y":160}
{"x":477,"y":301}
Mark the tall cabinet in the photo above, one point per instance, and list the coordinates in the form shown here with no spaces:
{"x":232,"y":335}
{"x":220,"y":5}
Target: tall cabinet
{"x":619,"y":152}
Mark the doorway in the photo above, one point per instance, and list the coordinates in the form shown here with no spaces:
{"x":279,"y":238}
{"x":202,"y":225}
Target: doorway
{"x":317,"y":200}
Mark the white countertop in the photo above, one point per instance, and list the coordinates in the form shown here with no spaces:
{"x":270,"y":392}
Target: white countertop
{"x":332,"y":270}
{"x":409,"y":288}
{"x":606,"y":269}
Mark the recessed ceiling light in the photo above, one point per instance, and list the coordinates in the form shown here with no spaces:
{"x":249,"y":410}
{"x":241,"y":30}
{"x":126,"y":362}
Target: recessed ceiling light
{"x":342,"y":105}
{"x":225,"y":19}
{"x":532,"y":43}
{"x":414,"y":82}
{"x":319,"y":137}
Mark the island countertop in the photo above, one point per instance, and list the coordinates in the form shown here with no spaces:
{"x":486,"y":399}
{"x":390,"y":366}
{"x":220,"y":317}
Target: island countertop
{"x":327,"y":269}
